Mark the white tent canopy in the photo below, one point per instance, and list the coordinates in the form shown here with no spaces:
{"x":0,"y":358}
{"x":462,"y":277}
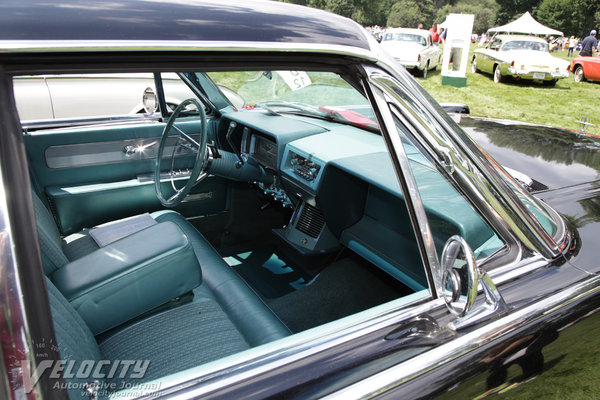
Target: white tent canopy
{"x":527,"y":25}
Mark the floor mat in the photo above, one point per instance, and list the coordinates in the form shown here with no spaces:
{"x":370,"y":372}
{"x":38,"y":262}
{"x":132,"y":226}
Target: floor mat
{"x":268,"y":272}
{"x":343,"y":288}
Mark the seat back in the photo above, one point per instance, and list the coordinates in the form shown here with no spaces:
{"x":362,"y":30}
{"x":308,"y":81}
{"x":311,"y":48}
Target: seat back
{"x":49,"y":238}
{"x":76,"y":343}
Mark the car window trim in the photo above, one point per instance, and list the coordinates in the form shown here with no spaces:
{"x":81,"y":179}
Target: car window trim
{"x":520,"y":224}
{"x":412,"y":197}
{"x":27,"y":298}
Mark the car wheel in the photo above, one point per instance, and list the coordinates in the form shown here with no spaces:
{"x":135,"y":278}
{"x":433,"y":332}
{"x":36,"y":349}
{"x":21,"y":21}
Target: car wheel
{"x":425,"y":70}
{"x":498,"y":78}
{"x":578,"y":75}
{"x":474,"y":67}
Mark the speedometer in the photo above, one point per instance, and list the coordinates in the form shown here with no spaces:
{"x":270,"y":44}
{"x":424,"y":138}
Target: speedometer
{"x":264,"y":151}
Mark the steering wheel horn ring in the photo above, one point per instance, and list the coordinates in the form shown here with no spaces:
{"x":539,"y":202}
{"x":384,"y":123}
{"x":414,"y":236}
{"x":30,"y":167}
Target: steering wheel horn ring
{"x":185,"y":141}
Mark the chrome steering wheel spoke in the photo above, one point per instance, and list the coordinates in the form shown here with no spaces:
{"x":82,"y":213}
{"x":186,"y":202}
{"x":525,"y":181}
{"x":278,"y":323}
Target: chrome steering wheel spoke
{"x":185,"y":141}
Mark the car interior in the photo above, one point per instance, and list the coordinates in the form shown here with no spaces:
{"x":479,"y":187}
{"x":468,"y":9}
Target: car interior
{"x":283,"y":213}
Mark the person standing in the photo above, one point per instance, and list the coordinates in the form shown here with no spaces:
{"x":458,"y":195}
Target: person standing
{"x":572,"y":44}
{"x":588,"y":44}
{"x":435,"y":35}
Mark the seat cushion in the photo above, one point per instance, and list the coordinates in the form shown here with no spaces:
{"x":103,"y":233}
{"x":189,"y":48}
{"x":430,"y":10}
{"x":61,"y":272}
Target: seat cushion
{"x":177,"y":339}
{"x":250,"y":315}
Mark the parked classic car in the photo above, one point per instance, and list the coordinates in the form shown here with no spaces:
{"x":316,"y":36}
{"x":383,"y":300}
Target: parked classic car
{"x":586,"y":68}
{"x":520,"y":57}
{"x":413,"y":48}
{"x":94,"y":95}
{"x":339,"y":236}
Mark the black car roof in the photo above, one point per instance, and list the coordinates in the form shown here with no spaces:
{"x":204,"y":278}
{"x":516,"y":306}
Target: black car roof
{"x":175,"y":20}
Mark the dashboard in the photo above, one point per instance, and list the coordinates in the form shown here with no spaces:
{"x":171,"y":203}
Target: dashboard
{"x":342,"y":185}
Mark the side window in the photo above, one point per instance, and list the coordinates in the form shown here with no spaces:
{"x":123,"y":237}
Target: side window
{"x":448,"y":211}
{"x":70,"y":96}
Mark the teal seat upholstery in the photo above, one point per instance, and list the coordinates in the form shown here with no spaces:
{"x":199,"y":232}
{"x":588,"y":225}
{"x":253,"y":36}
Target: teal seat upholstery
{"x":167,"y":342}
{"x":224,"y":317}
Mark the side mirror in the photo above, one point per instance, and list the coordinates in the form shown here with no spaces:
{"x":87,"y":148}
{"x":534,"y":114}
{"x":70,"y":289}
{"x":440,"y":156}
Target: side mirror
{"x":150,"y":101}
{"x":460,"y":276}
{"x":461,"y":280}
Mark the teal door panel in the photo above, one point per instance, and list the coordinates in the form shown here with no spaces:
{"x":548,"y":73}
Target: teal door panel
{"x":90,"y":175}
{"x":79,"y":207}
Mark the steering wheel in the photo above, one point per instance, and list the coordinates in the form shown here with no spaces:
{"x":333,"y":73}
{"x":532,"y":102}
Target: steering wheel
{"x":184,"y":143}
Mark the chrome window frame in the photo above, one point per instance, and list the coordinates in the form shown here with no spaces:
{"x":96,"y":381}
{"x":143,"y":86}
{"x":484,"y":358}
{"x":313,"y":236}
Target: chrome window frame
{"x":296,"y":351}
{"x":495,"y":200}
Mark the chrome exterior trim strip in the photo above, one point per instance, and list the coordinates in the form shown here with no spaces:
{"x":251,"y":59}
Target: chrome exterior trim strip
{"x":51,"y":46}
{"x":421,"y":364}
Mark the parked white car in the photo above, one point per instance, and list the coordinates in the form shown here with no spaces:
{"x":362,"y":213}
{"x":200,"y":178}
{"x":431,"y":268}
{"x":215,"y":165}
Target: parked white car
{"x":413,"y":48}
{"x":520,"y":57}
{"x":74,"y":96}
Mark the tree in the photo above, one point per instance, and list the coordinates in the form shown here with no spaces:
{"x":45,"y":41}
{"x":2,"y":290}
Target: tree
{"x":483,"y":10}
{"x":510,"y":10}
{"x":558,"y":14}
{"x":573,"y":17}
{"x":410,"y":13}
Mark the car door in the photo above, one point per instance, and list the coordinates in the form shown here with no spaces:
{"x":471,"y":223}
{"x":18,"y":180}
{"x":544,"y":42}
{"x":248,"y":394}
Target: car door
{"x":488,"y":55}
{"x":93,"y":169}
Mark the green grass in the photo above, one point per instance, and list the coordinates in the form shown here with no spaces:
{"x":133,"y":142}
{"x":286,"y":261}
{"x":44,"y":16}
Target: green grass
{"x":559,"y":106}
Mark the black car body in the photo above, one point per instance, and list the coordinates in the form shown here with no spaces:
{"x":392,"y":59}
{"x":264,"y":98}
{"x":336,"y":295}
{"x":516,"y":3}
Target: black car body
{"x":414,"y":265}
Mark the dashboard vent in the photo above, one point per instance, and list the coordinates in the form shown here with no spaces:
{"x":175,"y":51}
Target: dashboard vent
{"x":310,"y":221}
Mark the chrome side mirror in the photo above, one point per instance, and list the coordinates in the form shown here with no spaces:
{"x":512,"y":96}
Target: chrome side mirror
{"x":460,"y":276}
{"x":461,"y":280}
{"x":150,"y":101}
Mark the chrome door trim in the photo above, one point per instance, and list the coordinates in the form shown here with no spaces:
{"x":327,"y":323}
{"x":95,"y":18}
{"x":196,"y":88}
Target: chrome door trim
{"x":110,"y":152}
{"x":489,"y":194}
{"x":494,"y":330}
{"x":413,"y":196}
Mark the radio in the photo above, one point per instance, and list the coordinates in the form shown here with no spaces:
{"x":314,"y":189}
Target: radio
{"x":304,"y":168}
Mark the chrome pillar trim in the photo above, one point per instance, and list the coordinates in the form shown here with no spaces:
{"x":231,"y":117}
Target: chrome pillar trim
{"x":412,"y":196}
{"x":397,"y":375}
{"x":17,"y":347}
{"x":472,"y":171}
{"x":297,"y":347}
{"x":45,"y":46}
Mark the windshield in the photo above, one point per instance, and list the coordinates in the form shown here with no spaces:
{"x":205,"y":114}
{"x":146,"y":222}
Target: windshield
{"x":405,"y":37}
{"x":315,"y":94}
{"x":525,"y":45}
